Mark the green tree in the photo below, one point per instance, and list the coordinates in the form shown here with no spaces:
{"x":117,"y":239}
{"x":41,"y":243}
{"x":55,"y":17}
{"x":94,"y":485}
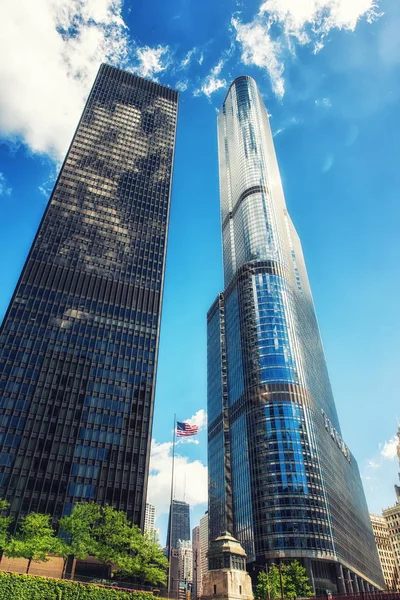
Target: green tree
{"x":80,"y":526}
{"x":106,"y":534}
{"x":4,"y":524}
{"x":268,"y":585}
{"x":296,"y":581}
{"x":146,"y":561}
{"x":34,"y":540}
{"x":114,"y":536}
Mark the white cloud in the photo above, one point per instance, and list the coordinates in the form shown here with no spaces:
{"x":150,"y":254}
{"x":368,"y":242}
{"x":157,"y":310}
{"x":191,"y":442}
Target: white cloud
{"x":188,"y":440}
{"x":368,"y":477}
{"x":212,"y":82}
{"x":50,"y":51}
{"x":186,"y":61}
{"x":311,"y":20}
{"x":373,"y":464}
{"x":199,"y":419}
{"x":152,"y":60}
{"x":388,"y":450}
{"x":5,"y":189}
{"x":278,"y":131}
{"x":47,"y":186}
{"x":280,"y":24}
{"x":324,"y":102}
{"x":260,"y":50}
{"x":182,"y":86}
{"x":190,"y":478}
{"x":286,"y":125}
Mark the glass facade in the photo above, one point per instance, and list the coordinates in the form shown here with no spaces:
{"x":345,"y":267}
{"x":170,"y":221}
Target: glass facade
{"x":79,"y":342}
{"x":180,"y":524}
{"x":293,"y":486}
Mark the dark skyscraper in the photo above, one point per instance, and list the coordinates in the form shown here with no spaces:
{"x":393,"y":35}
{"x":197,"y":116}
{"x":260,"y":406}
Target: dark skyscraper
{"x":281,"y":478}
{"x":180,"y":523}
{"x":79,"y":342}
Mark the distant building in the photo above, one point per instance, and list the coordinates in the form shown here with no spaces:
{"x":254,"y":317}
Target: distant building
{"x":392,"y":517}
{"x":203,"y":545}
{"x":149,"y":518}
{"x":156,"y":535}
{"x":388,"y":526}
{"x":196,"y":581}
{"x":150,"y":523}
{"x":385,"y":550}
{"x":180,"y":523}
{"x":396,"y":487}
{"x":174,"y":570}
{"x":185,"y":569}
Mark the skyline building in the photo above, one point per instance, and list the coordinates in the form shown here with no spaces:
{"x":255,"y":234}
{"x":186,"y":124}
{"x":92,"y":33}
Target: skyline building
{"x":397,"y":487}
{"x":281,"y":478}
{"x":150,"y":523}
{"x":391,"y":515}
{"x":196,"y":569}
{"x":386,"y":553}
{"x":149,"y":518}
{"x":200,"y":559}
{"x":79,"y":341}
{"x":185,"y":571}
{"x":203,"y":546}
{"x":180,"y":523}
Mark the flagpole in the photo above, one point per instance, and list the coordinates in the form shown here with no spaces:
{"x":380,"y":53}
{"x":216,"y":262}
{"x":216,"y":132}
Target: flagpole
{"x":171,"y":510}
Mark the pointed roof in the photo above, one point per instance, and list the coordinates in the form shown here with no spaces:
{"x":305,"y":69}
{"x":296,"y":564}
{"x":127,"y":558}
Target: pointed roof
{"x":227,"y":543}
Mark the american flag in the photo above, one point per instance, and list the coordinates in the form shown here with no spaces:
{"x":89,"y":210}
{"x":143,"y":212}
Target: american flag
{"x":185,"y":429}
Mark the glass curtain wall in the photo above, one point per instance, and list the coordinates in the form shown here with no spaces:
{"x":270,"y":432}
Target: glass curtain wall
{"x":79,"y":342}
{"x":293,"y":485}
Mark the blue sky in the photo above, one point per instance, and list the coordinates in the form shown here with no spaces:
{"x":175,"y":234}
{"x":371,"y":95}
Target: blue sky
{"x":329,"y":72}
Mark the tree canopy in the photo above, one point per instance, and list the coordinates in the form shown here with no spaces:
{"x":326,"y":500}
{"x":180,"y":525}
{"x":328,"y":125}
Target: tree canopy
{"x":295,"y":583}
{"x":106,"y":534}
{"x":34,"y":540}
{"x":4,"y":524}
{"x":102,"y":532}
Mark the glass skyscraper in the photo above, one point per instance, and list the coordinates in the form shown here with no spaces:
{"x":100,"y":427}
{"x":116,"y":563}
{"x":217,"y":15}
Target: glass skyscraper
{"x":180,"y":512}
{"x":79,"y":341}
{"x":281,"y":478}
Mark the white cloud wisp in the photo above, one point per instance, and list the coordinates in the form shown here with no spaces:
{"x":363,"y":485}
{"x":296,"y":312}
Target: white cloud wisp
{"x":212,"y":82}
{"x":152,"y":60}
{"x":5,"y":189}
{"x":300,"y":22}
{"x":259,"y":49}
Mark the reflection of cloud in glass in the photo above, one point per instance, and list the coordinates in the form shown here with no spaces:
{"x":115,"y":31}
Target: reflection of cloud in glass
{"x":121,"y":149}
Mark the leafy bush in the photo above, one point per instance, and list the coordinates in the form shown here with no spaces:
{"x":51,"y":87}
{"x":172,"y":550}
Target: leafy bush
{"x":30,"y":587}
